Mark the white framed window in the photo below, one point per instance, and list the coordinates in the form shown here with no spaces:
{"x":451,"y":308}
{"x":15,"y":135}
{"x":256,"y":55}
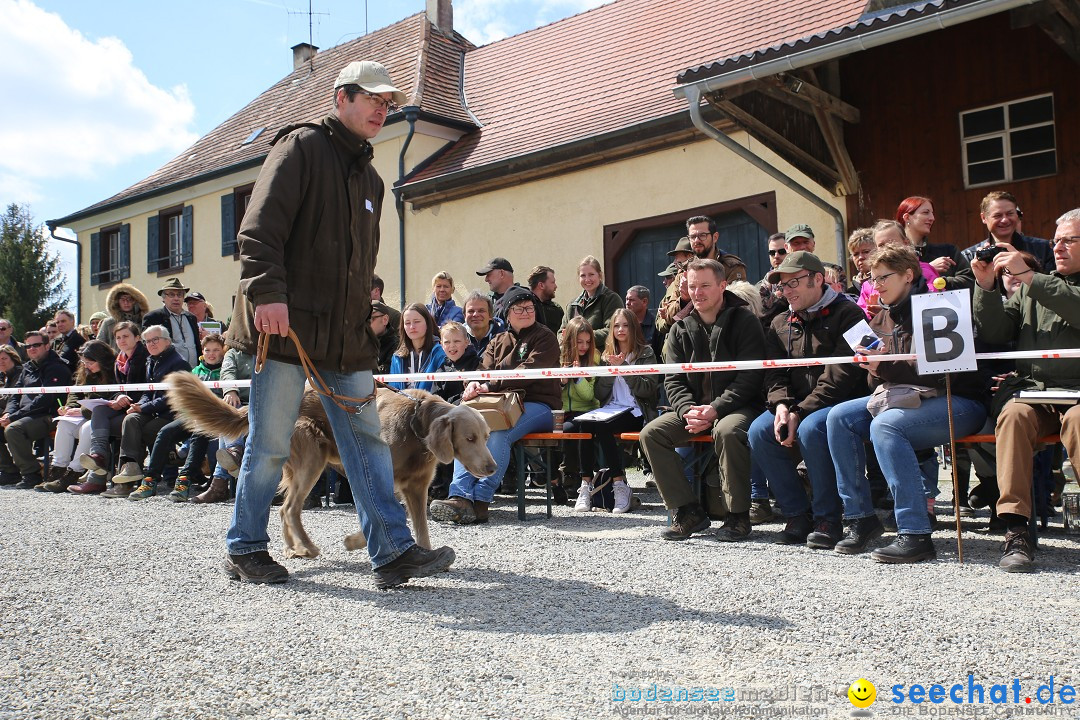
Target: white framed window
{"x":1008,"y":142}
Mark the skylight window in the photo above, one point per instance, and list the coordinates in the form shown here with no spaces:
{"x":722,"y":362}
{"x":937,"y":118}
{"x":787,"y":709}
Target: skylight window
{"x":254,"y":134}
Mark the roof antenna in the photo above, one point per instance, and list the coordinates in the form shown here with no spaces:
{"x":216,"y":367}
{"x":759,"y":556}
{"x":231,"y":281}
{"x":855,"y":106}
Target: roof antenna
{"x":311,"y":36}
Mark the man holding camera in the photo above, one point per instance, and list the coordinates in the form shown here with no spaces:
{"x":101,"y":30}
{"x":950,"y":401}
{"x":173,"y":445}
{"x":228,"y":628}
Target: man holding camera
{"x":1002,"y":216}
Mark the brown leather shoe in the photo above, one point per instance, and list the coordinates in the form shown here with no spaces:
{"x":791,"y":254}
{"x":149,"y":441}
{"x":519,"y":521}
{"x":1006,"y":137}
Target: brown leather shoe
{"x":62,"y":481}
{"x":217,"y":492}
{"x":455,"y":509}
{"x":481,"y":510}
{"x":89,"y":487}
{"x":119,"y":490}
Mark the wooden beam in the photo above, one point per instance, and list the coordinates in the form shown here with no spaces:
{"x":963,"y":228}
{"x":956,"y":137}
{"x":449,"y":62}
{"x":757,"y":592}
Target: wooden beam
{"x":1069,"y":10}
{"x":1063,"y":34}
{"x":806,"y":90}
{"x":788,"y":99}
{"x":770,"y":137}
{"x":833,"y":133}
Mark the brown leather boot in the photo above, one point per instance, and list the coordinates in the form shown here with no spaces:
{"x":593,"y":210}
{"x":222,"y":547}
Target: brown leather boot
{"x":481,"y":510}
{"x":52,"y":482}
{"x":62,"y":481}
{"x":454,"y":509}
{"x":217,"y":492}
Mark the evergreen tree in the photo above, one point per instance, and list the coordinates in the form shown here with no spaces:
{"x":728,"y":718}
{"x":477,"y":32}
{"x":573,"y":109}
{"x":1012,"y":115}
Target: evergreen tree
{"x":31,"y":286}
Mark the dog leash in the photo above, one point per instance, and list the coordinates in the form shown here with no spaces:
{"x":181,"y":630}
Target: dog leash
{"x":313,"y":375}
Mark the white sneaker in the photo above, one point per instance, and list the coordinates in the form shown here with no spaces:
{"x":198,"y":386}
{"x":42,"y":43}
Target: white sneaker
{"x":131,"y":472}
{"x":584,"y":498}
{"x":623,"y":495}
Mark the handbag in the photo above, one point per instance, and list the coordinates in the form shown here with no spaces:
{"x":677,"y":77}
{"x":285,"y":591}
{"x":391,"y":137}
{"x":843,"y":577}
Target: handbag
{"x":501,"y":410}
{"x":890,"y":396}
{"x":603,"y":492}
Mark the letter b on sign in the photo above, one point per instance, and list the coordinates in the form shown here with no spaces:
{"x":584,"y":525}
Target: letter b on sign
{"x":944,"y":340}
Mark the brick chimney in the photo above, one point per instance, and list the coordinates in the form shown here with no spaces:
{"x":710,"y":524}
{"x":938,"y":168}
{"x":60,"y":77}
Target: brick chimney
{"x":440,"y":13}
{"x":301,"y":53}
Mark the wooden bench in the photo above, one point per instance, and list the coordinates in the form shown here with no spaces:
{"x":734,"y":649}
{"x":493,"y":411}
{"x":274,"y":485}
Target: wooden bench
{"x":547,"y":442}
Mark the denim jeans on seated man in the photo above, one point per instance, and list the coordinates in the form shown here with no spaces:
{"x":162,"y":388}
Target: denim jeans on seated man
{"x":896,"y":434}
{"x":536,"y":418}
{"x":780,"y":466}
{"x":276,"y":392}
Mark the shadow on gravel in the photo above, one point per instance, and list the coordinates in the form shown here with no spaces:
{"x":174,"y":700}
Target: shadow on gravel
{"x":484,"y":600}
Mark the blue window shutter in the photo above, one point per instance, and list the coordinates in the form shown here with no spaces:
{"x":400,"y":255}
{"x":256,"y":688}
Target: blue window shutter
{"x":124,"y":270}
{"x":153,"y":251}
{"x":95,"y":258}
{"x":187,"y":237}
{"x":228,"y":224}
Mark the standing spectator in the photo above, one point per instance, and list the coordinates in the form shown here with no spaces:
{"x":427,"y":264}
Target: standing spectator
{"x":769,"y":294}
{"x":419,"y":351}
{"x":799,"y":399}
{"x":498,"y":273}
{"x":543,"y":286}
{"x":916,"y":216}
{"x":387,"y":334}
{"x":182,"y":326}
{"x":860,"y":246}
{"x":442,"y":306}
{"x":1002,"y":216}
{"x":799,"y":238}
{"x":6,"y":339}
{"x":377,"y":289}
{"x":95,"y":322}
{"x":479,"y":320}
{"x":596,"y":303}
{"x":124,"y":303}
{"x":1044,"y":314}
{"x":527,"y":345}
{"x":195,"y":303}
{"x":52,"y":332}
{"x":28,"y":417}
{"x":720,"y":328}
{"x":70,"y":339}
{"x":637,"y":302}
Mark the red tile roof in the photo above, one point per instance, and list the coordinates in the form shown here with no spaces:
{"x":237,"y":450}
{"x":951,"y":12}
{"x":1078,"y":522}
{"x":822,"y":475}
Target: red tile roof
{"x":422,"y":62}
{"x":612,"y":68}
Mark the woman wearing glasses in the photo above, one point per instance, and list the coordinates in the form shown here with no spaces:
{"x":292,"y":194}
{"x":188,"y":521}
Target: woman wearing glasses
{"x":907,"y":412}
{"x":527,"y":344}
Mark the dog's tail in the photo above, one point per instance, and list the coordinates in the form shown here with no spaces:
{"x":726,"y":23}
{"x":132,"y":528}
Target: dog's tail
{"x":202,"y":411}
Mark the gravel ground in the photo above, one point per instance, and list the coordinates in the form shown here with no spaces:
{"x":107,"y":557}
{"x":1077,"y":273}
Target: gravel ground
{"x":115,"y":609}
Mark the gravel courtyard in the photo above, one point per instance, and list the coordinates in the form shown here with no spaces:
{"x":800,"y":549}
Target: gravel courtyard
{"x":117,"y":609}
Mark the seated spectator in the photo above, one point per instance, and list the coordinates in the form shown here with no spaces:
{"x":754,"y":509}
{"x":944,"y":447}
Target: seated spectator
{"x":1044,"y":314}
{"x":106,"y":420}
{"x":460,"y":357}
{"x":596,"y":303}
{"x":1002,"y":216}
{"x":53,"y":333}
{"x":95,"y":323}
{"x":480,"y":322}
{"x":527,"y":345}
{"x":860,"y":246}
{"x":543,"y":286}
{"x":6,"y":339}
{"x":637,"y":302}
{"x":144,"y":419}
{"x":498,"y":273}
{"x":720,"y":328}
{"x":389,"y":340}
{"x":799,"y":400}
{"x":237,"y":365}
{"x":195,"y":303}
{"x":377,"y":289}
{"x":835,"y":277}
{"x":577,"y":348}
{"x":28,"y":418}
{"x":916,"y":218}
{"x":630,"y":401}
{"x":182,"y":327}
{"x":73,"y":427}
{"x":896,"y":429}
{"x":208,"y":370}
{"x":419,"y":351}
{"x":442,"y":306}
{"x":10,"y":366}
{"x":124,"y":303}
{"x":890,"y":232}
{"x":69,"y":340}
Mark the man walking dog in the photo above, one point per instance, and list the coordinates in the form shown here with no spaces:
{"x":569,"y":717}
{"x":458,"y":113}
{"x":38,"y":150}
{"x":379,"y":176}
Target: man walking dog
{"x":308,"y":244}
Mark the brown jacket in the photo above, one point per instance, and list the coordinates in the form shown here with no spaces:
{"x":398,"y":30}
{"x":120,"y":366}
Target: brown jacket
{"x":534,"y":347}
{"x":310,"y":238}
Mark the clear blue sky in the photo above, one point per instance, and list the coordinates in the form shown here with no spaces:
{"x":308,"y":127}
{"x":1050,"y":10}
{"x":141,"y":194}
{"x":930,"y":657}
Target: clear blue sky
{"x":100,"y":93}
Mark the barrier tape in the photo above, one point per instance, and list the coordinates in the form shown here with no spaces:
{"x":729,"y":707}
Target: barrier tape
{"x":567,"y":372}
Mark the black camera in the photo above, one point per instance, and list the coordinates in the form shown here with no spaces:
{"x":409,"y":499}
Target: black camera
{"x":988,"y":253}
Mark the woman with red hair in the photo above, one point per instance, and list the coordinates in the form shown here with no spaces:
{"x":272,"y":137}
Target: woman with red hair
{"x":916,"y":214}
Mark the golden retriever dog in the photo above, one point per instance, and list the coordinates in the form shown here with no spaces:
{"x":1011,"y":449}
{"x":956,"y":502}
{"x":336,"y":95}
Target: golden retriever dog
{"x":421,"y":429}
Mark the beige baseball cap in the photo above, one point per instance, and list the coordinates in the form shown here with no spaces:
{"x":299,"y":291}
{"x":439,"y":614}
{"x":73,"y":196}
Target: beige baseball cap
{"x":371,"y":76}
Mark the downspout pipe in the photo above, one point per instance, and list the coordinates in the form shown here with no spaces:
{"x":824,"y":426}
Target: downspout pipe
{"x":78,"y":266}
{"x":412,"y":112}
{"x":693,"y":95}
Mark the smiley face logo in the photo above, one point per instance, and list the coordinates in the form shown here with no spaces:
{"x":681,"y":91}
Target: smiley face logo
{"x":862,"y":693}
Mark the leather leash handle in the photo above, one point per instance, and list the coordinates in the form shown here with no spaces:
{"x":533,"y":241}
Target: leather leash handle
{"x":313,"y":376}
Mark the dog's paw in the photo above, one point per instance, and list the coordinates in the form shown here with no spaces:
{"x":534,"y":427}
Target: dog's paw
{"x":309,"y":552}
{"x":356,"y":541}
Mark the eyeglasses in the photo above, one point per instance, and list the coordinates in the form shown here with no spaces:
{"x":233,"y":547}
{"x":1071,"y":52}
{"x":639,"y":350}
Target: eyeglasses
{"x":378,"y":316}
{"x":523,"y":309}
{"x":34,"y":345}
{"x":780,"y":251}
{"x":1068,"y":241}
{"x":701,"y":236}
{"x":794,"y":282}
{"x":379,"y":103}
{"x":880,"y":279}
{"x":153,"y":340}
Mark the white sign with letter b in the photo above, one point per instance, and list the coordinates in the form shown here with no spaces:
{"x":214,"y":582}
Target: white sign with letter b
{"x":944,"y":338}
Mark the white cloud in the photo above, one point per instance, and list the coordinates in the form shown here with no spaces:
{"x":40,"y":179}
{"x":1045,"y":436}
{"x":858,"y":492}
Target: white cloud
{"x":485,"y":21}
{"x":74,"y":106}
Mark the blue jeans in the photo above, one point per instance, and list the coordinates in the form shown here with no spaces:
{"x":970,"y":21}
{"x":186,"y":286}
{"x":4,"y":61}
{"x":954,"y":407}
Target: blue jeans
{"x":779,"y":464}
{"x":896,"y":434}
{"x":220,"y":472}
{"x":275,"y":403}
{"x":759,"y":487}
{"x":536,"y":418}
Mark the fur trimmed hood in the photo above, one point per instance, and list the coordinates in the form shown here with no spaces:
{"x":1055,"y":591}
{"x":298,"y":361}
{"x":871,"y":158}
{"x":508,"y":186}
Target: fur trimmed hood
{"x":112,"y":301}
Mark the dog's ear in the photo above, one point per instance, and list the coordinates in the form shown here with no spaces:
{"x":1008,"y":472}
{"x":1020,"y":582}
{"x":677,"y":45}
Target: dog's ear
{"x":440,"y":439}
